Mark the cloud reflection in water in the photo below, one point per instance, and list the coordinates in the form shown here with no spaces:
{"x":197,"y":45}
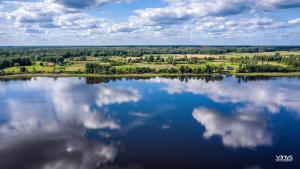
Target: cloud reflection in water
{"x":49,"y":132}
{"x":246,"y":126}
{"x":258,"y":94}
{"x":239,"y":130}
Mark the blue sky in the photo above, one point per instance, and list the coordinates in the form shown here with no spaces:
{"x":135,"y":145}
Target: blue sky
{"x":149,"y":22}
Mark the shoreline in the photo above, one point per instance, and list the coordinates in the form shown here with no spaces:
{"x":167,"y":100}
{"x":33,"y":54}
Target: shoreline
{"x":16,"y":76}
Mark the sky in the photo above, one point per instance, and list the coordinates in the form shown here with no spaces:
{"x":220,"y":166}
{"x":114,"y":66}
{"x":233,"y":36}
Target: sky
{"x":149,"y":22}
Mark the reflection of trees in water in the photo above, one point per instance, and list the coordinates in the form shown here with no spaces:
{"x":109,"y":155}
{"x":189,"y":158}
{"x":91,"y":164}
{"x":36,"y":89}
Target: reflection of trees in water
{"x":185,"y":78}
{"x":97,"y":80}
{"x":15,"y":79}
{"x":207,"y":78}
{"x":253,"y":78}
{"x":261,"y":78}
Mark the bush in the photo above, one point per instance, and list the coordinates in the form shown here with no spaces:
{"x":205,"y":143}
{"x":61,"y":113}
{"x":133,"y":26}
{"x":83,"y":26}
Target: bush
{"x":17,"y":64}
{"x":23,"y":69}
{"x":5,"y":63}
{"x":97,"y":68}
{"x":185,"y":69}
{"x":2,"y":73}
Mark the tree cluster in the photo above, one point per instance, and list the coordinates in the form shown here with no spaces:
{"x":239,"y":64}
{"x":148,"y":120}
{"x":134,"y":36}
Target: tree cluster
{"x":252,"y":68}
{"x":5,"y":63}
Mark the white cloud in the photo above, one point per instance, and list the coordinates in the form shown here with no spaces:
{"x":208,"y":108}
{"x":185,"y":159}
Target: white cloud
{"x":1,"y":36}
{"x":227,"y":26}
{"x":177,"y":20}
{"x":294,"y":21}
{"x":79,"y":21}
{"x":35,"y":17}
{"x":178,"y":11}
{"x":122,"y":28}
{"x":239,"y":130}
{"x":80,"y":4}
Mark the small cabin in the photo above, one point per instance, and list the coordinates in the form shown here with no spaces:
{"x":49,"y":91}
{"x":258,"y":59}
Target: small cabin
{"x":51,"y":64}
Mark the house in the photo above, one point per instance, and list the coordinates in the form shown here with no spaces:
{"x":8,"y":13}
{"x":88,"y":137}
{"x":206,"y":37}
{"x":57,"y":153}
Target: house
{"x":51,"y":64}
{"x":228,"y":69}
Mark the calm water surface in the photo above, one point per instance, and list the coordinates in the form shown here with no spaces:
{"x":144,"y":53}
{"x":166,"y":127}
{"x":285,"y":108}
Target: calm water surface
{"x":157,"y":123}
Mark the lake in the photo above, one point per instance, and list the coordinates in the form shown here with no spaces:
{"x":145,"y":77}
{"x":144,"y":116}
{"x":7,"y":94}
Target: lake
{"x":221,"y":122}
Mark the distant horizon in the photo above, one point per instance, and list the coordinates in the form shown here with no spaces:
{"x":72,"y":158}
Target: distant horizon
{"x":293,"y":46}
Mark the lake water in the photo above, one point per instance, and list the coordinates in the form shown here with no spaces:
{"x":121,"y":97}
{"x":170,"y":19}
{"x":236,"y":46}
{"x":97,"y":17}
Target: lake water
{"x":155,"y":123}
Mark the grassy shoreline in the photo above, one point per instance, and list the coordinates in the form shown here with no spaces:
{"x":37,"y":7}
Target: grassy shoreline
{"x":278,"y":74}
{"x":98,"y":75}
{"x":17,"y":76}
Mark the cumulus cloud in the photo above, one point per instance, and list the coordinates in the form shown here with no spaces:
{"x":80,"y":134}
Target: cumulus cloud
{"x":239,"y":130}
{"x":35,"y":17}
{"x":277,"y":4}
{"x":178,"y":11}
{"x":122,"y":28}
{"x":87,"y":3}
{"x":216,"y":17}
{"x":225,"y":25}
{"x":294,"y":21}
{"x":79,"y":21}
{"x":181,"y":19}
{"x":32,"y":17}
{"x":216,"y":25}
{"x":2,"y":34}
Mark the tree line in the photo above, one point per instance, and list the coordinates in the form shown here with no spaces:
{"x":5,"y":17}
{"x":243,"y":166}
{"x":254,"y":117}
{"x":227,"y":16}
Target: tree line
{"x":134,"y":51}
{"x":96,"y":68}
{"x":254,"y":68}
{"x":5,"y":63}
{"x":291,"y":60}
